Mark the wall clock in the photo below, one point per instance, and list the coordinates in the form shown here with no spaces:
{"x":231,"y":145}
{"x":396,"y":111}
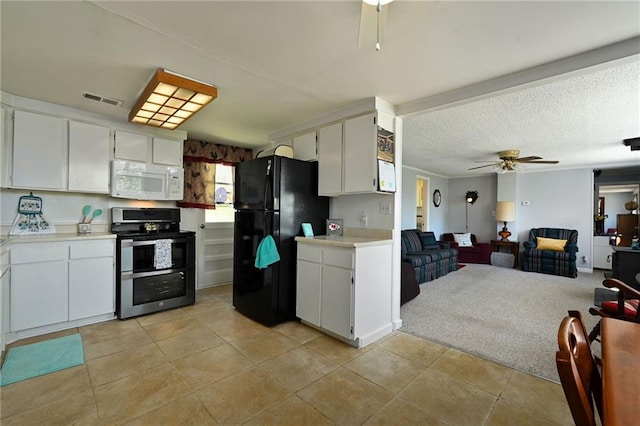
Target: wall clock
{"x":437,"y":198}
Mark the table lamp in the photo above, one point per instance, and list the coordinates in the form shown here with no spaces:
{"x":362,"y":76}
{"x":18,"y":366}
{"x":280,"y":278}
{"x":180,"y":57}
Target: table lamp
{"x":505,"y":212}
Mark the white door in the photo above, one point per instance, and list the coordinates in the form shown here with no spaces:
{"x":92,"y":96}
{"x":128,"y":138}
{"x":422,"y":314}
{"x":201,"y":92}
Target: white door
{"x":336,"y":311}
{"x":214,"y":248}
{"x":360,"y":149}
{"x":423,"y":203}
{"x":215,"y":265}
{"x":167,"y":151}
{"x":330,"y":160}
{"x":39,"y":294}
{"x":132,"y":146}
{"x":91,"y":287}
{"x":308,"y":277}
{"x":89,"y":155}
{"x":39,"y":151}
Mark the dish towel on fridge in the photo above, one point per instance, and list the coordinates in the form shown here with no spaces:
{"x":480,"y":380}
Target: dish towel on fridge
{"x":162,"y":255}
{"x":267,"y":253}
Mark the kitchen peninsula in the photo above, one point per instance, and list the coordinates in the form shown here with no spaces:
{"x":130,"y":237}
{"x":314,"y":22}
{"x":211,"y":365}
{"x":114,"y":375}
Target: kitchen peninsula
{"x":344,"y":285}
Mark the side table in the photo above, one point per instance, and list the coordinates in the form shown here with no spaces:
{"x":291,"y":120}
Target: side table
{"x":512,"y":246}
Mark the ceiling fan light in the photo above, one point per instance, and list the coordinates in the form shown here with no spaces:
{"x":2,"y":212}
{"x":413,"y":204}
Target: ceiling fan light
{"x":375,"y":2}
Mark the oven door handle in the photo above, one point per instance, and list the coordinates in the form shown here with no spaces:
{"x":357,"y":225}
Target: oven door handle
{"x":151,"y":242}
{"x":134,"y":275}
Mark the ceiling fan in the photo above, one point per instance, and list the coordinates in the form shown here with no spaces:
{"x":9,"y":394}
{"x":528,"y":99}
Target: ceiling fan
{"x":373,"y":17}
{"x":509,"y":160}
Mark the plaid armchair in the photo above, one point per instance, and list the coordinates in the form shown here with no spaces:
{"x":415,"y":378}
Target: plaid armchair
{"x":556,"y":262}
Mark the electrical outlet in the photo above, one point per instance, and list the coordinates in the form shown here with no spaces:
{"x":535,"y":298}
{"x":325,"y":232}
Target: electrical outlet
{"x":363,"y":219}
{"x":385,"y":208}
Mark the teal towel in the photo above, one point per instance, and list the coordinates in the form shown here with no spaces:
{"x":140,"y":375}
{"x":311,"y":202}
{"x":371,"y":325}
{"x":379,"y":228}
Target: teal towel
{"x":267,"y":253}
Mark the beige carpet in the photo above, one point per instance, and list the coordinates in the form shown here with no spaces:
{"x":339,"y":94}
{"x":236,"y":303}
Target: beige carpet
{"x":503,"y":315}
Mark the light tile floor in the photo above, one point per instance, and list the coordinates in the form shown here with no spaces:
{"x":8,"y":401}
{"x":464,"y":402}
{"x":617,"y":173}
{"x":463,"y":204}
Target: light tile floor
{"x":206,"y":364}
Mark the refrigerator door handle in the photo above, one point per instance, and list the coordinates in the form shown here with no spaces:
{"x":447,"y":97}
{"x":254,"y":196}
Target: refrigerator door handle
{"x":267,"y":182}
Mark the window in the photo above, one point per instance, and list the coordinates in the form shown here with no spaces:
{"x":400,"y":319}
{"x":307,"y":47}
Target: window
{"x":223,"y":193}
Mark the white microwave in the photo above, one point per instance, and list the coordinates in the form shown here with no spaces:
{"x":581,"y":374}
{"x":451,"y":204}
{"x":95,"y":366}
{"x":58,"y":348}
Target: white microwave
{"x":143,"y":181}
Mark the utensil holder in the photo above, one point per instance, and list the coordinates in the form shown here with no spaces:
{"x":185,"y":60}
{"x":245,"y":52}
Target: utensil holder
{"x":84,"y":228}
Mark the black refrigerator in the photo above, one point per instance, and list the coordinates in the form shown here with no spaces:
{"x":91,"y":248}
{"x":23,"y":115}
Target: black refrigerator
{"x":273,"y":196}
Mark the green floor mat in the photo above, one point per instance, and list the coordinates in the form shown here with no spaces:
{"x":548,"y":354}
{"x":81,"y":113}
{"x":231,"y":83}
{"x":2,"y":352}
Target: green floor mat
{"x":25,"y":362}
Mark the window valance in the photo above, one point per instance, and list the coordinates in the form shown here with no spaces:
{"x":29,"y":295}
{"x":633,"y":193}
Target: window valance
{"x":199,"y":162}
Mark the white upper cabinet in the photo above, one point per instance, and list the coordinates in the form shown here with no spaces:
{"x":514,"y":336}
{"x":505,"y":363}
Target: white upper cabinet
{"x":347,"y":157}
{"x":145,"y":149}
{"x":39,"y":151}
{"x":360,"y":145}
{"x":167,"y":151}
{"x":305,"y":147}
{"x":330,"y":160}
{"x":88,"y":157}
{"x":132,"y":146}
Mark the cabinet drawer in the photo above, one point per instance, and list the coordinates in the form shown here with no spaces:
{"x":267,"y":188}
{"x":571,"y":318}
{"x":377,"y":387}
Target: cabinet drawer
{"x":342,"y":258}
{"x":87,"y":249}
{"x":310,"y":253}
{"x":27,"y":253}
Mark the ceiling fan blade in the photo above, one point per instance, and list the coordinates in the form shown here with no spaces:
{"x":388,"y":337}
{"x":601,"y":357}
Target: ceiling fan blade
{"x":486,"y":165}
{"x":527,"y":159}
{"x":543,"y":162}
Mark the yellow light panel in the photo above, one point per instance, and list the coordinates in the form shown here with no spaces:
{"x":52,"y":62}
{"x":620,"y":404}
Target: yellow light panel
{"x":183,"y":114}
{"x":157,"y":99}
{"x":170,"y":99}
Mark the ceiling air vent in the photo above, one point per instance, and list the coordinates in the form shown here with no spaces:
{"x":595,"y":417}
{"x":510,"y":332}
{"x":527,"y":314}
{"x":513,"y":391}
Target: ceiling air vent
{"x":103,"y":99}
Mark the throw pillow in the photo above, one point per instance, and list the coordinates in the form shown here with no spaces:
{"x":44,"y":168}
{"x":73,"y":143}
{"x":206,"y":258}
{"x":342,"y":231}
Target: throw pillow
{"x":428,"y":240}
{"x":550,"y":244}
{"x":463,"y":240}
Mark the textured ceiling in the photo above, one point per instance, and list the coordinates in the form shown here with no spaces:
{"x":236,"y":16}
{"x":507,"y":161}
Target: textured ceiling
{"x":578,"y":120}
{"x":281,"y":63}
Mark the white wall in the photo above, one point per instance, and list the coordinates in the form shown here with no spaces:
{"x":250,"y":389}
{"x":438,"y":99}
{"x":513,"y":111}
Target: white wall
{"x":562,"y":199}
{"x":481,"y":214}
{"x":349,"y":208}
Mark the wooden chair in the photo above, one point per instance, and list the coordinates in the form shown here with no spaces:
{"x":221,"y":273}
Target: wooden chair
{"x":624,"y":308}
{"x":578,"y":371}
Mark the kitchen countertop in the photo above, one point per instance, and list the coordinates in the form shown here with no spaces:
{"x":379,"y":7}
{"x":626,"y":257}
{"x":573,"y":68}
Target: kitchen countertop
{"x":50,"y":238}
{"x":344,"y":241}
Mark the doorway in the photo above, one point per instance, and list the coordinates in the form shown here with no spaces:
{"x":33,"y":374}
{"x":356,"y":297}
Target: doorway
{"x":422,"y":203}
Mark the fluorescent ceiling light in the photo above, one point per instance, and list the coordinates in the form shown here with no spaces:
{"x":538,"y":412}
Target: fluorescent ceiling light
{"x":170,"y":99}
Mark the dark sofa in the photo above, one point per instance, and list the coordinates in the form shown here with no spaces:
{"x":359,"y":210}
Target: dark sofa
{"x":478,"y":253}
{"x":429,"y":258}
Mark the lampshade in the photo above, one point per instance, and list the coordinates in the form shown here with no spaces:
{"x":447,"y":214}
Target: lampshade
{"x":471,"y":196}
{"x":505,"y":211}
{"x":170,"y":99}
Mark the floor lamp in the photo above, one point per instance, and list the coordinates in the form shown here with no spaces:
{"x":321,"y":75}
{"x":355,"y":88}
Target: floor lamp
{"x":471,"y":197}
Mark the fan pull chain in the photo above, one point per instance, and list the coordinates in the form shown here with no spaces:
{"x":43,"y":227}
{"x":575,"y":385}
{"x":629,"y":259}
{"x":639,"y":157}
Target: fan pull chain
{"x":378,"y":9}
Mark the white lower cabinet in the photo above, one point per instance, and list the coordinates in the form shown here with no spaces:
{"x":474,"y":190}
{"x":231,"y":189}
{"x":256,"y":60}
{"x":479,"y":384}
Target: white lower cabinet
{"x":59,"y":282}
{"x":38,"y":294}
{"x":308,"y":277}
{"x":337,"y":304}
{"x":345,"y":291}
{"x":602,"y":252}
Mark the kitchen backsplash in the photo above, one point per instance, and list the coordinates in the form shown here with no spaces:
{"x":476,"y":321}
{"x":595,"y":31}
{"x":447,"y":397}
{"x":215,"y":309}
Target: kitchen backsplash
{"x":65,"y":208}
